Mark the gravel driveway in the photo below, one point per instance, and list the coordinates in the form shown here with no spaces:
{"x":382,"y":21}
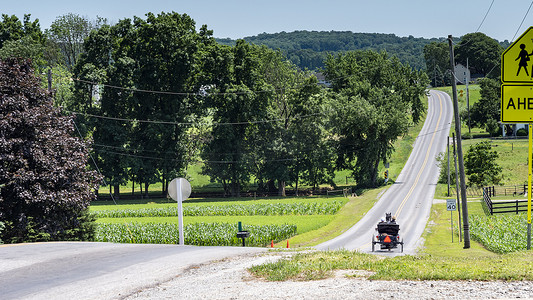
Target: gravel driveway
{"x":229,"y":279}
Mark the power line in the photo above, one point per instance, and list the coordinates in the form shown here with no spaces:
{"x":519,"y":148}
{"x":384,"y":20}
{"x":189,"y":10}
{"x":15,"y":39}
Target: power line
{"x":205,"y":93}
{"x":485,"y":16}
{"x":191,"y":123}
{"x":481,"y":24}
{"x":94,"y":161}
{"x":192,"y":160}
{"x":527,"y":12}
{"x":201,"y":93}
{"x":152,"y":151}
{"x":134,"y":89}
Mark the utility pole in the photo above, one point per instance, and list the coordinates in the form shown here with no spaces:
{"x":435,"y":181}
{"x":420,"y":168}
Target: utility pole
{"x":448,"y":144}
{"x":466,"y":230}
{"x":434,"y":73}
{"x":467,"y":96}
{"x":457,"y":190}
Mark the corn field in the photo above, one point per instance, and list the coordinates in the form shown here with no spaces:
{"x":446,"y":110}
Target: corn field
{"x":274,"y":209}
{"x":199,"y":234}
{"x":501,"y":233}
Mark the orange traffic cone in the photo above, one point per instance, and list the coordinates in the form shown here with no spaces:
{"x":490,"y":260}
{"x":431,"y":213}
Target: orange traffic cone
{"x":287,"y":243}
{"x":272,"y":244}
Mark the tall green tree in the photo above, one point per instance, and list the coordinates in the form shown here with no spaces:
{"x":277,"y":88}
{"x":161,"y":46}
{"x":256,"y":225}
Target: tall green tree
{"x":312,"y":144}
{"x":437,"y":57}
{"x":228,"y":154}
{"x":68,"y":32}
{"x":481,"y":165}
{"x":12,"y":29}
{"x":486,"y":112}
{"x":111,"y":136}
{"x":375,"y":99}
{"x":296,"y":102}
{"x":165,"y":50}
{"x":483,"y":54}
{"x":23,"y":39}
{"x":45,"y":185}
{"x":277,"y":145}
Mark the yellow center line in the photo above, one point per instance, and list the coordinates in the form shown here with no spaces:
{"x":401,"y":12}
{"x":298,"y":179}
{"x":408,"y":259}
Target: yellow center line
{"x":419,"y":172}
{"x":400,"y":208}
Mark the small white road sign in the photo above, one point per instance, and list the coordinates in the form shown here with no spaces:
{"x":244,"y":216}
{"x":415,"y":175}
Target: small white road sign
{"x":451,"y":205}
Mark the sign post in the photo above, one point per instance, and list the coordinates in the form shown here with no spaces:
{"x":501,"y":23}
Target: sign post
{"x":517,"y":98}
{"x":529,"y":189}
{"x":451,"y":206}
{"x":179,"y":189}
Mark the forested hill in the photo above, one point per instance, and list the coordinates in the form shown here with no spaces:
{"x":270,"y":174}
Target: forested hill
{"x":307,"y":49}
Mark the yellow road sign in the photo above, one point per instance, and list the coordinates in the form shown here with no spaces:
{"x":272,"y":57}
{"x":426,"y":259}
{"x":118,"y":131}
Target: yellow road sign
{"x":517,"y":60}
{"x":517,"y":103}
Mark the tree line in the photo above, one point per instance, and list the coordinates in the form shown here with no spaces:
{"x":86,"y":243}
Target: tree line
{"x":309,"y":49}
{"x":154,"y":95}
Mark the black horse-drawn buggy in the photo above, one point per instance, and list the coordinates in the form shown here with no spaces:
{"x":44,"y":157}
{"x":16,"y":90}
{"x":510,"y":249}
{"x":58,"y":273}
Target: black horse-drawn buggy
{"x":387,"y":234}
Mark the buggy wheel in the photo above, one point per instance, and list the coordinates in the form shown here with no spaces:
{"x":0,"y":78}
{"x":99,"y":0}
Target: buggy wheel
{"x":373,"y":243}
{"x":401,"y":243}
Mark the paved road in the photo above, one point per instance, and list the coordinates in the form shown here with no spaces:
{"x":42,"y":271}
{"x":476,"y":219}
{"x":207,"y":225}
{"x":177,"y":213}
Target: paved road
{"x":410,"y":197}
{"x":79,"y":270}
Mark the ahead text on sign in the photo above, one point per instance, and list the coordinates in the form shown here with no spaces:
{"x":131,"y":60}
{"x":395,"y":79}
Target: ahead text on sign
{"x":517,"y":103}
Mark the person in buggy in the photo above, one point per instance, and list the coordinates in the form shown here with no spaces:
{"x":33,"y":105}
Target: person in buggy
{"x":387,"y":234}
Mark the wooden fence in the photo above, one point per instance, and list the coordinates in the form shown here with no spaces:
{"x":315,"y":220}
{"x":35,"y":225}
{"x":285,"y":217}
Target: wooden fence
{"x":514,"y":190}
{"x":498,"y":207}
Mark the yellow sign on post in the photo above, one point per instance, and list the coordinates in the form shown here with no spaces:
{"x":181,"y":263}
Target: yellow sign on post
{"x":517,"y":66}
{"x":517,"y":103}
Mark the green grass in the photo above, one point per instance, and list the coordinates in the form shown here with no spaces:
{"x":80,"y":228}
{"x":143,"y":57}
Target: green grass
{"x":512,"y":159}
{"x":321,"y":264}
{"x":441,"y":259}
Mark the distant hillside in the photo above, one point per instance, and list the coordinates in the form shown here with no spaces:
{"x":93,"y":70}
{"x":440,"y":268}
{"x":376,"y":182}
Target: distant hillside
{"x":308,"y":49}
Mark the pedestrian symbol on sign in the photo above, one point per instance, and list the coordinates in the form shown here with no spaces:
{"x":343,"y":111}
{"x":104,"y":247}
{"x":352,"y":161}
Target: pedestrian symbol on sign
{"x":524,"y":58}
{"x":516,"y":58}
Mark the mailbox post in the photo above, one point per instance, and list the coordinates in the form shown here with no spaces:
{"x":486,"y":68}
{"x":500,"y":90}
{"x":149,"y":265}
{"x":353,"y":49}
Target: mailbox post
{"x":242,"y":234}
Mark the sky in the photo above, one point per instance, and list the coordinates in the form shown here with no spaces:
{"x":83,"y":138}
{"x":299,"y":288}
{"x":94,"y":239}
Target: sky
{"x":239,"y":18}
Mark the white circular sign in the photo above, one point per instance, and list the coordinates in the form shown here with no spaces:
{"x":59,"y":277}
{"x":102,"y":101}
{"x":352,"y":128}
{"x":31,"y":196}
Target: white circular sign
{"x":185,"y":188}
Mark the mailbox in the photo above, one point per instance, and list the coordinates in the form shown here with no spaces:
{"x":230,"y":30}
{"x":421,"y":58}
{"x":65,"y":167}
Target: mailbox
{"x":242,"y":235}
